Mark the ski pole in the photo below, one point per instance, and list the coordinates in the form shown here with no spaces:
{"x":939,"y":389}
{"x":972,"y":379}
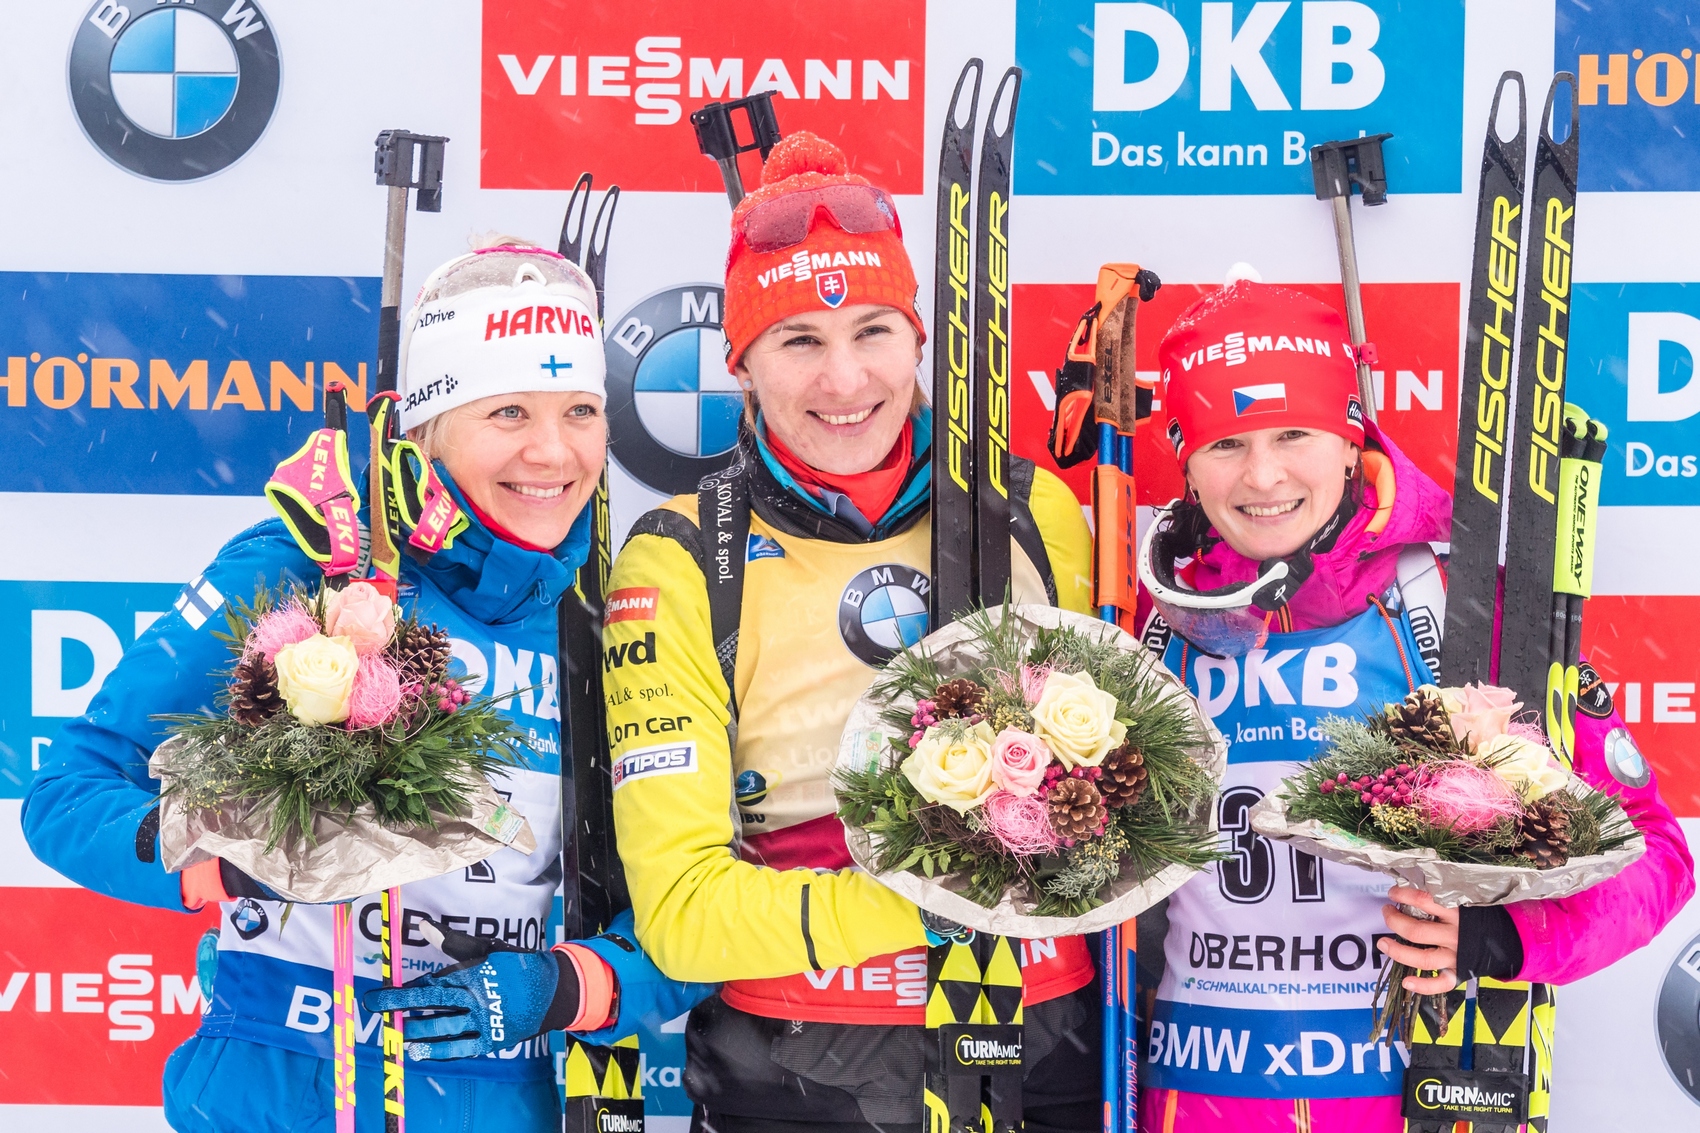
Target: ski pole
{"x":1101,"y":352}
{"x":717,"y":136}
{"x":1335,"y":167}
{"x":402,"y":161}
{"x":1583,"y":447}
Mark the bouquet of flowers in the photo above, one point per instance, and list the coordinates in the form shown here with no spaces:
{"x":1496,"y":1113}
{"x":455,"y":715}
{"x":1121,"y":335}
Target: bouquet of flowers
{"x":1029,"y":765}
{"x":339,"y":717}
{"x":1450,"y":793}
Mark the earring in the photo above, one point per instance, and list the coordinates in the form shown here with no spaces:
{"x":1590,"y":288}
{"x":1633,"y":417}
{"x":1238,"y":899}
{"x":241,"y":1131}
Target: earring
{"x":747,"y":383}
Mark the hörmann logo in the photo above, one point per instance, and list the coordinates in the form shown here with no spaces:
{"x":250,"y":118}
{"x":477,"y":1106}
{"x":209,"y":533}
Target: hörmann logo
{"x":171,"y":384}
{"x":1199,"y":97}
{"x":609,"y":88}
{"x":1636,"y":79}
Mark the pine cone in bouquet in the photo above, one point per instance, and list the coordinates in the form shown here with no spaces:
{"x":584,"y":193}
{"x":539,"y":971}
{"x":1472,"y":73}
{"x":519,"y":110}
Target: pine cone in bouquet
{"x":1420,"y":720}
{"x":1077,"y":810}
{"x":422,"y":654}
{"x":254,"y":695}
{"x":960,"y":697}
{"x":1546,"y":833}
{"x":1125,"y":777}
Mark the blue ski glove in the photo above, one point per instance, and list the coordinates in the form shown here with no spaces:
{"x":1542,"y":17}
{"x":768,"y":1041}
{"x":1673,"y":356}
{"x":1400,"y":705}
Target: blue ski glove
{"x":495,"y":997}
{"x":498,"y":995}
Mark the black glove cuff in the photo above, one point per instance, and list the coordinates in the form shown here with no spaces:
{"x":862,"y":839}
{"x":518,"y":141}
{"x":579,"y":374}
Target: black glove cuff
{"x":1488,"y":944}
{"x":563,"y":1009}
{"x":238,"y":884}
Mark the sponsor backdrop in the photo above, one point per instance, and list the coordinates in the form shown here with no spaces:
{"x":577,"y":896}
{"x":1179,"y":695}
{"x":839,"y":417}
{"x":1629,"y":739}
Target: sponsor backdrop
{"x":190,"y":235}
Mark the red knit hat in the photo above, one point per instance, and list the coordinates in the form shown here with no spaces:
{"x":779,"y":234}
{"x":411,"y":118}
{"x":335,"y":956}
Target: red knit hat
{"x":1254,"y":356}
{"x":828,"y":269}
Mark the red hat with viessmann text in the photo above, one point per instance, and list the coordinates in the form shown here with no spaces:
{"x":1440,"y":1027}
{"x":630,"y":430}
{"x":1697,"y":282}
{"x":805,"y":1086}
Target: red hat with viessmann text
{"x":1254,"y":356}
{"x":829,"y":268}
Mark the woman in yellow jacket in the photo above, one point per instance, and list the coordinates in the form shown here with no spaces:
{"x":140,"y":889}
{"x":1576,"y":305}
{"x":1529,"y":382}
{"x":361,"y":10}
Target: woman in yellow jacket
{"x":742,"y":624}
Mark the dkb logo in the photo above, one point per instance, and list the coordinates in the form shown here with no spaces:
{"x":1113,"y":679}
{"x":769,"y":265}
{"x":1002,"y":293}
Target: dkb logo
{"x":1202,"y":97}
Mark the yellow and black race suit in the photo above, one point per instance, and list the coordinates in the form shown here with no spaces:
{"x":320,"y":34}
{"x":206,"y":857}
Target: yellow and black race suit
{"x":732,"y":849}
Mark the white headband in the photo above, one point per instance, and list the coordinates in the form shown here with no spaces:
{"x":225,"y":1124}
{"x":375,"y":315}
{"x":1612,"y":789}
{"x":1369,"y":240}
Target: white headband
{"x":528,"y":337}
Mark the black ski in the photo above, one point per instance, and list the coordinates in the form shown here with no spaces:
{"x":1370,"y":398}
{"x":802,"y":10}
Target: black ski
{"x":991,"y":346}
{"x":1531,"y":522}
{"x":1496,"y":1027}
{"x":1484,"y":406}
{"x":953,"y":358}
{"x":598,"y":1080}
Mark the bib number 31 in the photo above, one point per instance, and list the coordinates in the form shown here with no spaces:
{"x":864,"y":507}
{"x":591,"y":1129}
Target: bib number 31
{"x":1248,"y":876}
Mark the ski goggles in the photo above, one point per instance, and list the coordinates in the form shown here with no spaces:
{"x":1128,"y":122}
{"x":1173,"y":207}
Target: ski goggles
{"x":783,"y":222}
{"x":1227,"y":621}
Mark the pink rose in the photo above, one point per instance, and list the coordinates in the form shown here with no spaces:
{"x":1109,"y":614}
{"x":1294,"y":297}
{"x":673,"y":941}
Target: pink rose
{"x":1479,"y":713}
{"x":1019,"y":761}
{"x":363,"y":614}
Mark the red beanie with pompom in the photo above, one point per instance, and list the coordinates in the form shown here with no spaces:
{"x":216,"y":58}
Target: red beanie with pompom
{"x":830,"y":268}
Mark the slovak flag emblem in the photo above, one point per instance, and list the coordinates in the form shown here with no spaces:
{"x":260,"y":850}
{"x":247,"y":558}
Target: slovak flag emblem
{"x":1270,"y":398}
{"x":832,"y":287}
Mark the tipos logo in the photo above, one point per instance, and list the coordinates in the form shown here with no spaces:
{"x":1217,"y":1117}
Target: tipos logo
{"x":178,"y":93}
{"x":883,"y":610}
{"x":673,"y":409}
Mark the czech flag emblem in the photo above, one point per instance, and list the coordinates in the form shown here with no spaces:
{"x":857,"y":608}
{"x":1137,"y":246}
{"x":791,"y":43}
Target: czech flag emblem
{"x":1270,"y":398}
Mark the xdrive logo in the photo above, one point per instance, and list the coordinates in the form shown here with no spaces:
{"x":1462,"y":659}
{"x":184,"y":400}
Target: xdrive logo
{"x":608,"y":86}
{"x":1217,"y":97}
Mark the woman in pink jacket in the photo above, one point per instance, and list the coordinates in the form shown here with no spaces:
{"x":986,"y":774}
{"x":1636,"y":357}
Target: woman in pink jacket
{"x":1270,"y":959}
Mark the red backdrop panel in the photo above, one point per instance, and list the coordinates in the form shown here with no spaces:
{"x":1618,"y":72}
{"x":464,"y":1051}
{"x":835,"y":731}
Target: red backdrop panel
{"x":94,"y":994}
{"x":1649,"y":647}
{"x":1414,"y":326}
{"x":620,"y":119}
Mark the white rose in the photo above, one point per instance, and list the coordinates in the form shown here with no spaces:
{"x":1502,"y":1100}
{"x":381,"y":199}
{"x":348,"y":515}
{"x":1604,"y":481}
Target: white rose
{"x":1077,"y":719}
{"x":315,"y":677}
{"x":1527,"y":766}
{"x":951,"y":768}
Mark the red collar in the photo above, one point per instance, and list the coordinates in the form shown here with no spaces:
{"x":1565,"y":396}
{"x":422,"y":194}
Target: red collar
{"x":871,"y":492}
{"x":501,"y":532}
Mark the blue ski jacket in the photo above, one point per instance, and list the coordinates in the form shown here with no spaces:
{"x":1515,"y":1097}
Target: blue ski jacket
{"x":87,"y":813}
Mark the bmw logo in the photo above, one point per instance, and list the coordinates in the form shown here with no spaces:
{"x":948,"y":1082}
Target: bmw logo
{"x":1679,"y":1019}
{"x":175,"y":93}
{"x":248,"y":918}
{"x":883,"y":611}
{"x":673,"y":409}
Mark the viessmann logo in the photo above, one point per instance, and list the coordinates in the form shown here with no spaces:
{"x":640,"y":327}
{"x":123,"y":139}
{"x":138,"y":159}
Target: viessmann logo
{"x":605,"y":88}
{"x":1200,"y":97}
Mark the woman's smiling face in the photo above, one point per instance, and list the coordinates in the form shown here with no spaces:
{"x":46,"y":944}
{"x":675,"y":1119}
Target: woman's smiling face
{"x":836,"y":386}
{"x":1268,"y":491}
{"x":529,"y":461}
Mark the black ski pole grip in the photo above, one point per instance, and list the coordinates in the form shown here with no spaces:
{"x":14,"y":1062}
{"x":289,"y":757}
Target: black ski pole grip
{"x":717,"y":135}
{"x":405,"y":160}
{"x":1336,"y":166}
